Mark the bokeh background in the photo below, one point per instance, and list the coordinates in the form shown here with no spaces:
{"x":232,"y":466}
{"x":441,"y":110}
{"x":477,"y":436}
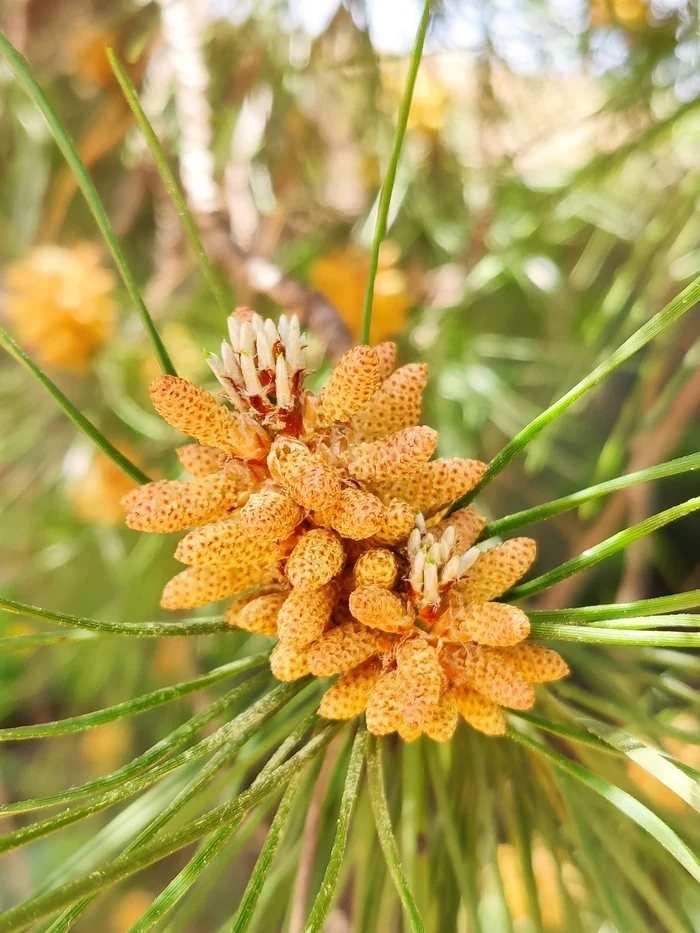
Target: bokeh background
{"x":545,"y":206}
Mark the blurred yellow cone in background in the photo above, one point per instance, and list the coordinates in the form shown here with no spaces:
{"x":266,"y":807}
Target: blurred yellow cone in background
{"x":341,"y":277}
{"x":106,"y":747}
{"x":96,"y":485}
{"x":129,"y":910}
{"x":60,"y":304}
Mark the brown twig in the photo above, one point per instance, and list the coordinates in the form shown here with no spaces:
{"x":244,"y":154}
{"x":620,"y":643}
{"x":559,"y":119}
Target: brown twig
{"x":264,"y":277}
{"x":182,"y":27}
{"x":15,"y":23}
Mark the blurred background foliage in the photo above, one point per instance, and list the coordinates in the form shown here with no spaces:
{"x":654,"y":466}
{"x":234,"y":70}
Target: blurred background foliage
{"x":546,"y":205}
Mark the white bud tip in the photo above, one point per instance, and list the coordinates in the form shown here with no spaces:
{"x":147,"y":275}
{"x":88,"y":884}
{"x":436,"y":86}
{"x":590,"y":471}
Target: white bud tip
{"x":468,"y":559}
{"x":247,"y":338}
{"x":271,"y":331}
{"x":416,"y":573}
{"x":264,"y":351}
{"x":430,"y":583}
{"x":250,"y":376}
{"x":234,"y":333}
{"x":413,"y":545}
{"x":292,"y":349}
{"x":214,"y":363}
{"x":451,"y":570}
{"x":282,"y":388}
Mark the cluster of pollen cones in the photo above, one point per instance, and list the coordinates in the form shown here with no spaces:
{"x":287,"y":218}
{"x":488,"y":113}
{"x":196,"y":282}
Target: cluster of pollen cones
{"x":331,"y":507}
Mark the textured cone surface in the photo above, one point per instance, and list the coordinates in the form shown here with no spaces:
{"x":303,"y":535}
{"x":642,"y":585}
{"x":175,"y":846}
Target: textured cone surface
{"x":343,"y":648}
{"x":437,"y":484}
{"x":492,"y":672}
{"x":538,"y":665}
{"x":270,"y":515}
{"x":376,"y":566}
{"x":399,"y":455}
{"x":317,"y":557}
{"x":200,"y":460}
{"x":386,"y":354}
{"x":467,"y":524}
{"x":395,"y":406}
{"x":377,"y":608}
{"x":357,"y":514}
{"x":352,"y":384}
{"x":440,"y":721}
{"x":481,"y":713}
{"x":397,"y":523}
{"x":348,"y":696}
{"x":288,"y":662}
{"x":213,"y":545}
{"x":307,"y":479}
{"x":258,"y":616}
{"x":421,"y":680}
{"x":383,"y":714}
{"x":305,"y":614}
{"x":198,"y":586}
{"x":193,"y":411}
{"x":497,"y":570}
{"x":224,"y":544}
{"x":406,"y":732}
{"x":494,"y":624}
{"x":172,"y":505}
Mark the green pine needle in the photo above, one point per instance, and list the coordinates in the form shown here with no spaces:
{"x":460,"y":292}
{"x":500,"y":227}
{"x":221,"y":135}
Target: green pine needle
{"x":229,"y":740}
{"x":324,"y":898}
{"x":590,"y":634}
{"x":76,"y":416}
{"x":259,"y":875}
{"x":131,"y":707}
{"x":620,"y":799}
{"x":584,"y":615}
{"x":382,"y":821}
{"x":146,"y":768}
{"x":390,"y":177}
{"x":673,"y":311}
{"x":557,"y":506}
{"x":21,"y":70}
{"x":170,"y":182}
{"x":134,"y":629}
{"x":22,"y":916}
{"x":612,"y":545}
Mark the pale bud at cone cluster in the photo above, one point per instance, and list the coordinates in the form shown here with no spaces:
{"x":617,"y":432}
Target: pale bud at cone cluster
{"x":434,"y":567}
{"x":333,"y":510}
{"x":262,"y":367}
